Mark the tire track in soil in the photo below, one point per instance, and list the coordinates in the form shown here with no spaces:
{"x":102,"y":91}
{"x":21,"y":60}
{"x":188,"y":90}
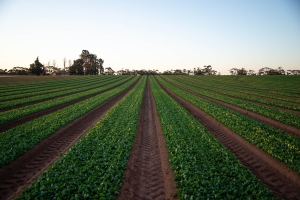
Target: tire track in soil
{"x":284,"y":127}
{"x":18,"y":175}
{"x":148,"y":174}
{"x":283,"y":181}
{"x":27,"y":118}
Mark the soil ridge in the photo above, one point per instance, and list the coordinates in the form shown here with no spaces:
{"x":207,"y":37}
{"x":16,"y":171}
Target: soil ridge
{"x":148,"y":175}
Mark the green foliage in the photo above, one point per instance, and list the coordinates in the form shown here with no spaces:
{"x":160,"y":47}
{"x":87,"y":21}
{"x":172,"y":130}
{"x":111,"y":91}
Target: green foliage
{"x":282,"y":146}
{"x":77,"y":67}
{"x":26,"y":110}
{"x":204,"y":169}
{"x":93,"y":167}
{"x":36,"y":67}
{"x":18,"y":140}
{"x":275,"y":114}
{"x":28,"y":90}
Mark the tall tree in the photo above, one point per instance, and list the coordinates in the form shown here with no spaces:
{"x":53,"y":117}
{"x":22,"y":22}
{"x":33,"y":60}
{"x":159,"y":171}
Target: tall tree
{"x":101,"y":61}
{"x":36,"y":67}
{"x":77,"y":67}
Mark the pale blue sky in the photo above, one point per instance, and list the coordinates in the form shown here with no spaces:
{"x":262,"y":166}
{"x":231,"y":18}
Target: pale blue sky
{"x":154,"y":34}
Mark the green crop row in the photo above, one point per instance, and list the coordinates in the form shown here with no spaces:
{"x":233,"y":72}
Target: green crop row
{"x":43,"y":85}
{"x":16,"y":102}
{"x":275,"y":114}
{"x":282,"y":146}
{"x":18,"y":140}
{"x":203,"y":168}
{"x":56,"y":88}
{"x":236,"y":94}
{"x":281,"y":83}
{"x":243,"y":92}
{"x":94,"y":167}
{"x":26,"y":110}
{"x":241,"y":88}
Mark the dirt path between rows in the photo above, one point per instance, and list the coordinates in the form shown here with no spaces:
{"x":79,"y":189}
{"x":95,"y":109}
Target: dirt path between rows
{"x":283,"y":181}
{"x":284,"y":127}
{"x":148,"y":175}
{"x":27,"y":118}
{"x":17,"y":175}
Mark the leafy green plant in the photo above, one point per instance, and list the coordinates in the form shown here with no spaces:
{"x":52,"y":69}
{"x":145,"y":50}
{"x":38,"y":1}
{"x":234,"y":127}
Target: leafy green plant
{"x":50,"y":88}
{"x":98,"y":159}
{"x":18,"y":140}
{"x":26,"y":110}
{"x":282,"y":146}
{"x":204,"y":169}
{"x":275,"y":114}
{"x":12,"y":103}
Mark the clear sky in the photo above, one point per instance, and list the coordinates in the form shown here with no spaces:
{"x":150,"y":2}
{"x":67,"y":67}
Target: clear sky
{"x":156,"y":34}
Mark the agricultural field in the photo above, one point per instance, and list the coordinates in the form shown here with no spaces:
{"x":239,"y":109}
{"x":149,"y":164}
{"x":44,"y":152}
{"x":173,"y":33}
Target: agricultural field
{"x":150,"y":137}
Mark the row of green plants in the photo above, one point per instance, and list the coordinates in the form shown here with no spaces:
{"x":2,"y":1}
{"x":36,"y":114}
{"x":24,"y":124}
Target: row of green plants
{"x":55,"y":88}
{"x":240,"y":89}
{"x":94,"y":166}
{"x":30,"y":109}
{"x":18,"y":140}
{"x":203,"y":167}
{"x":237,"y":94}
{"x":232,"y":83}
{"x":281,"y":83}
{"x":275,"y":114}
{"x":17,"y":102}
{"x":282,"y":146}
{"x":40,"y":85}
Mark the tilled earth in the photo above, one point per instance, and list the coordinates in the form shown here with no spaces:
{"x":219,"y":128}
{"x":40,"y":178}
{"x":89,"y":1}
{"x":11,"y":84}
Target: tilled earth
{"x":148,"y":175}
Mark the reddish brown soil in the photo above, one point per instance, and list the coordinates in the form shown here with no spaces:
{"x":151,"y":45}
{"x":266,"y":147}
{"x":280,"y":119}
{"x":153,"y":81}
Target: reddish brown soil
{"x":286,"y":128}
{"x":283,"y":181}
{"x":20,"y":173}
{"x":22,"y":120}
{"x":39,"y":101}
{"x":148,"y":175}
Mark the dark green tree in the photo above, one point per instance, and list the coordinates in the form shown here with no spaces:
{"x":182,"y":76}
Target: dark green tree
{"x":36,"y":67}
{"x":77,"y":67}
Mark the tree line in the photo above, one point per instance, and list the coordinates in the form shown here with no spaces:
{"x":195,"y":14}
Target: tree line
{"x":90,"y":64}
{"x":206,"y":70}
{"x":264,"y":71}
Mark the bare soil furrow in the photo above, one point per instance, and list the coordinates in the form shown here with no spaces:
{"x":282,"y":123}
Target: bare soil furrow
{"x":20,"y":173}
{"x":148,"y":175}
{"x":284,"y":182}
{"x":284,"y":127}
